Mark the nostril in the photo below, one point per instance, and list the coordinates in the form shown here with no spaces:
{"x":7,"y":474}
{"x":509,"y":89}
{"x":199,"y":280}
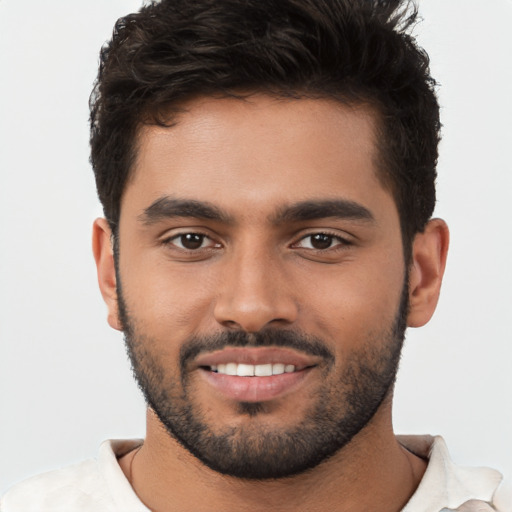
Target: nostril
{"x":231,"y":324}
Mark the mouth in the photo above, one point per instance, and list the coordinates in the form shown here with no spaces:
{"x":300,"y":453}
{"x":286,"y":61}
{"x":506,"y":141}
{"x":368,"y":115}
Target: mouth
{"x":254,"y":370}
{"x":255,"y":374}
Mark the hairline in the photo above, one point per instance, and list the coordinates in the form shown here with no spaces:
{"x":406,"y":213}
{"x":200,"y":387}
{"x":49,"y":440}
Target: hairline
{"x":168,"y":116}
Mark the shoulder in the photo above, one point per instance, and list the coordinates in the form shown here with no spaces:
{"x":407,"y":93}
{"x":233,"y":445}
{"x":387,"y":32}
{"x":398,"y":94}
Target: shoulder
{"x":503,"y":497}
{"x":447,"y":485}
{"x":90,"y":486}
{"x":60,"y":490}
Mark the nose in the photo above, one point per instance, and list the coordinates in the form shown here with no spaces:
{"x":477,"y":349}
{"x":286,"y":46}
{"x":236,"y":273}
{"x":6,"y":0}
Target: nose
{"x":255,"y":292}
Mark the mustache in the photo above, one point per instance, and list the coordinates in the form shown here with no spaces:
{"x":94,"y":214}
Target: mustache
{"x":296,"y":340}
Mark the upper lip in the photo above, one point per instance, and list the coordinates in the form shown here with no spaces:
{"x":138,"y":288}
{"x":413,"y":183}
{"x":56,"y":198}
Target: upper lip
{"x":255,"y":356}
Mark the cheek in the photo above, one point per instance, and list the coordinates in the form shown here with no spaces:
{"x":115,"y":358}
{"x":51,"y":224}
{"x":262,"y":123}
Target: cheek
{"x":168,"y":301}
{"x":353,"y":302}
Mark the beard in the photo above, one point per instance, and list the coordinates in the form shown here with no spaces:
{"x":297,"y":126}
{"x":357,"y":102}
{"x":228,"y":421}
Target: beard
{"x":343,"y":404}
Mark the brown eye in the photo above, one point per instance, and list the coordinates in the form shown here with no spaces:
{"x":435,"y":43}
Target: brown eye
{"x":321,"y":241}
{"x":191,"y":241}
{"x":192,"y":246}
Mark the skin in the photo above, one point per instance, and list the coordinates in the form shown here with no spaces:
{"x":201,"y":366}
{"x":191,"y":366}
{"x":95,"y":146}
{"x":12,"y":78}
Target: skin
{"x":249,"y":159}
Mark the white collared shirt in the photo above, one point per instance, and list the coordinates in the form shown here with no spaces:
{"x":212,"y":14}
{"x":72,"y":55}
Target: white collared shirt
{"x":99,"y":485}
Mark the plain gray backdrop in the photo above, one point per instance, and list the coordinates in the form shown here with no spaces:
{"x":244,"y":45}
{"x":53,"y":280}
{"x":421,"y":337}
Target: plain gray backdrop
{"x":65,"y":383}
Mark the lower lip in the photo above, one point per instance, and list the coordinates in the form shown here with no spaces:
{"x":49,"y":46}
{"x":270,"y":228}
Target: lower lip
{"x":255,"y":389}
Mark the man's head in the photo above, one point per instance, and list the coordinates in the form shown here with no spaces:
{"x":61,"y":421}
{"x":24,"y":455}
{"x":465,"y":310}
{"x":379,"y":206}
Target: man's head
{"x":261,"y":203}
{"x":355,"y":52}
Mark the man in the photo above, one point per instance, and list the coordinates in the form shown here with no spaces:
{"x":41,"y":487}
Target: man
{"x":267,"y":176}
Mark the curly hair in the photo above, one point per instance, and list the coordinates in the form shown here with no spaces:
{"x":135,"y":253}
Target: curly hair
{"x":355,"y":51}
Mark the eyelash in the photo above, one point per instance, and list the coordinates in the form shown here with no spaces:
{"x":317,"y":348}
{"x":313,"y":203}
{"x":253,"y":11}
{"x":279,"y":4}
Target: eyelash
{"x":170,"y":240}
{"x":342,"y":242}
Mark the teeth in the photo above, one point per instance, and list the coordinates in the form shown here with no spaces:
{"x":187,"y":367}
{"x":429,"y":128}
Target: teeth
{"x":278,"y":368}
{"x":250,"y":370}
{"x":245,"y":370}
{"x":263,"y":370}
{"x":231,"y":368}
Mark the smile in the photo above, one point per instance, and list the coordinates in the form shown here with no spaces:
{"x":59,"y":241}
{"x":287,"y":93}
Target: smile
{"x":254,"y":370}
{"x":255,"y":374}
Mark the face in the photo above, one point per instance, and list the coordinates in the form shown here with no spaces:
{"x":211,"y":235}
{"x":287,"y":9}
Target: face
{"x":261,"y":282}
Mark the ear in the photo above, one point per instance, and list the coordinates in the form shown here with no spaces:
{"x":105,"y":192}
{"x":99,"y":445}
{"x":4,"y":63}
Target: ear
{"x":429,"y":253}
{"x":104,"y":256}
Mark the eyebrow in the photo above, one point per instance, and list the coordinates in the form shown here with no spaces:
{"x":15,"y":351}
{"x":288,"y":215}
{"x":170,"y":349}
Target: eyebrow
{"x":330,"y":208}
{"x":168,"y":207}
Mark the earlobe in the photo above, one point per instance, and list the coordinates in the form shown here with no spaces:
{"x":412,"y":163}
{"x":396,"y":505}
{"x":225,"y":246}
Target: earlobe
{"x":429,"y":252}
{"x":105,"y":266}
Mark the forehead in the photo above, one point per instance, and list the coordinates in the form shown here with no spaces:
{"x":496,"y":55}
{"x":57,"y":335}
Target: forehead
{"x":261,"y":152}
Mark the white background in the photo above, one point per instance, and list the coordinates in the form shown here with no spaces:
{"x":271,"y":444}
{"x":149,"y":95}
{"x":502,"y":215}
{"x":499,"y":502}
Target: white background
{"x":65,"y":383}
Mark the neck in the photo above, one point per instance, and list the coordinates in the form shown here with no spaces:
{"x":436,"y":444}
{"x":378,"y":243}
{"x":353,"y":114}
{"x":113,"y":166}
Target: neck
{"x":372,"y":470}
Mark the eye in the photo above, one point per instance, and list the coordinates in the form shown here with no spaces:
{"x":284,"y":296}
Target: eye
{"x":321,"y":241}
{"x":191,"y":241}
